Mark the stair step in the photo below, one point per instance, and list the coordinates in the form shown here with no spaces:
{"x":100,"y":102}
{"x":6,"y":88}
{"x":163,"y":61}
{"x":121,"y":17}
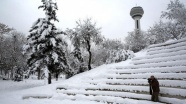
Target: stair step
{"x":38,"y":96}
{"x":140,"y":85}
{"x":176,"y":69}
{"x":167,"y":50}
{"x":153,"y":65}
{"x":157,"y":60}
{"x":161,"y":55}
{"x":139,"y":82}
{"x":166,"y":46}
{"x":105,"y":99}
{"x":141,"y":92}
{"x":169,"y":43}
{"x":159,"y":76}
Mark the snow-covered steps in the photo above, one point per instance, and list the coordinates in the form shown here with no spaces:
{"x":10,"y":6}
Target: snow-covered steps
{"x":106,"y":93}
{"x":120,"y":94}
{"x":167,"y":62}
{"x":181,"y":93}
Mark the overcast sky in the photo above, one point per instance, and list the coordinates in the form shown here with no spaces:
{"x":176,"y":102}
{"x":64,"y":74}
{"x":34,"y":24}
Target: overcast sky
{"x":111,"y":15}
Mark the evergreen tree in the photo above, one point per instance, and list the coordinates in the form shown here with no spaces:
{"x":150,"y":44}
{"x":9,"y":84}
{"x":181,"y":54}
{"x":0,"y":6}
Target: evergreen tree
{"x":46,"y":46}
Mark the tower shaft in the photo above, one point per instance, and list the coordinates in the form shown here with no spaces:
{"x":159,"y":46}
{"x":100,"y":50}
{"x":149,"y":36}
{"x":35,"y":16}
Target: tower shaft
{"x":137,"y":24}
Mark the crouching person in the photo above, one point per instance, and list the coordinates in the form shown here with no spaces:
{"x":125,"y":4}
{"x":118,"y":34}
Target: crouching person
{"x":154,"y":88}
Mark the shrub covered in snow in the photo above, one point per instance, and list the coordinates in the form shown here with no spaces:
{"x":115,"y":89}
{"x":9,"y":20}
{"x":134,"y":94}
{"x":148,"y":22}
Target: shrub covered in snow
{"x":116,"y":56}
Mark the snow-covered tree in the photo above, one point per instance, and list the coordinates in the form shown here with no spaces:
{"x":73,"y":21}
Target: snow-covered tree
{"x":47,"y":49}
{"x":4,"y":29}
{"x":11,"y":56}
{"x":175,"y":25}
{"x":112,"y":44}
{"x":99,"y":55}
{"x":136,"y":41}
{"x":101,"y":52}
{"x":176,"y":11}
{"x":176,"y":14}
{"x":88,"y":33}
{"x":76,"y":59}
{"x":158,"y":33}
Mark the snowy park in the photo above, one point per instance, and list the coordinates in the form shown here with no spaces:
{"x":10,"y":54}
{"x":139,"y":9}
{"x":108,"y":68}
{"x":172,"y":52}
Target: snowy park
{"x":92,"y":52}
{"x":75,"y":89}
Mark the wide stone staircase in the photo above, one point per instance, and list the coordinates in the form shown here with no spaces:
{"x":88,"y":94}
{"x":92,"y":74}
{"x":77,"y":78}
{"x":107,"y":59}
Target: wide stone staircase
{"x":166,"y":61}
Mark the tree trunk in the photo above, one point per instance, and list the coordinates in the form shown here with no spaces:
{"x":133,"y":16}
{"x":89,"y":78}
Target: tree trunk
{"x":12,"y":74}
{"x":49,"y":78}
{"x":90,"y":55}
{"x":89,"y":61}
{"x":8,"y":75}
{"x":1,"y":71}
{"x":56,"y":76}
{"x":39,"y":74}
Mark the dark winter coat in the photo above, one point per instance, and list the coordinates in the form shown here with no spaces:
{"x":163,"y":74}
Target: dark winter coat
{"x":154,"y":84}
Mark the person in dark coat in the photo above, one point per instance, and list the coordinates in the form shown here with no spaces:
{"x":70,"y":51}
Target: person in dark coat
{"x":154,"y":88}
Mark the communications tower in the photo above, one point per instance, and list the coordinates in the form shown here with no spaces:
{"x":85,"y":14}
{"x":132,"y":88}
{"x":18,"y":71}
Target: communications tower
{"x":136,"y":13}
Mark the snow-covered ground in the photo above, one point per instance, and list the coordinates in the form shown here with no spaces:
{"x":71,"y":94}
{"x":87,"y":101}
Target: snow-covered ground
{"x":7,"y":86}
{"x":12,"y":92}
{"x":17,"y":92}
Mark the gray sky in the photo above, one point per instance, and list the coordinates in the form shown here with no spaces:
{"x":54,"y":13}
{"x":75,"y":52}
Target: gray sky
{"x":112,"y":15}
